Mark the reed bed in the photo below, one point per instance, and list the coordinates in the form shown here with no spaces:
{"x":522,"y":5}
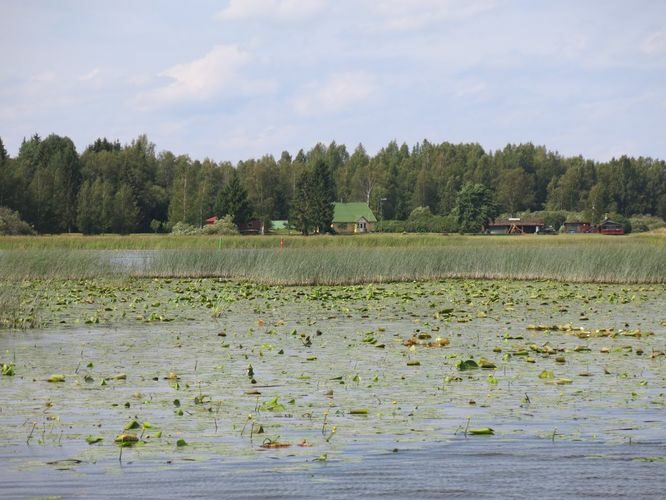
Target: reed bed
{"x":590,"y":261}
{"x":374,"y":240}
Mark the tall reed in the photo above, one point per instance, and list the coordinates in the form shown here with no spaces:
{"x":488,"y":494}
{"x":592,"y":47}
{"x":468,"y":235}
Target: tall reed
{"x":594,"y":261}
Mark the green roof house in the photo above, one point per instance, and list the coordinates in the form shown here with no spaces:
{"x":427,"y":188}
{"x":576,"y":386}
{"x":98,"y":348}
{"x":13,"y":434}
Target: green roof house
{"x":349,"y":218}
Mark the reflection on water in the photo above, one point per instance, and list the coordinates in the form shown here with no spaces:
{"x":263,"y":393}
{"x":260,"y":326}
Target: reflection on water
{"x":130,"y":260}
{"x":473,"y":468}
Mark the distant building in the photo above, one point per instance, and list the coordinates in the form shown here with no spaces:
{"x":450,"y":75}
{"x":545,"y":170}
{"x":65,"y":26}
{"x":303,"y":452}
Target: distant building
{"x":254,"y":226}
{"x":611,"y":227}
{"x":574,"y":227}
{"x":212,"y":220}
{"x":515,"y":226}
{"x":350,"y":218}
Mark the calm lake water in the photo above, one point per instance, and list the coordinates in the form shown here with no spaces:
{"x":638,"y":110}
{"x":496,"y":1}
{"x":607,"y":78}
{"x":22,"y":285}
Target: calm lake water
{"x":576,"y":412}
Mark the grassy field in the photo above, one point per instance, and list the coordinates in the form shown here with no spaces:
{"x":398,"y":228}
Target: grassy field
{"x":340,"y":260}
{"x":171,"y":242}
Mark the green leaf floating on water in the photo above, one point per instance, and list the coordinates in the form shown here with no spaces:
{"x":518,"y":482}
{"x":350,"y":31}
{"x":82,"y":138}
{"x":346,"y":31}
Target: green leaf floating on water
{"x":488,"y":365}
{"x":546,"y":374}
{"x":56,"y":378}
{"x":481,"y":431}
{"x":126,"y":437}
{"x":180,"y":443}
{"x":132,"y":424}
{"x":8,"y":369}
{"x":359,"y":411}
{"x":272,"y":405}
{"x":468,"y":364}
{"x":94,"y":439}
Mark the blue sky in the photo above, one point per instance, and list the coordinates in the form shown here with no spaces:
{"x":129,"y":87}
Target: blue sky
{"x":237,"y":79}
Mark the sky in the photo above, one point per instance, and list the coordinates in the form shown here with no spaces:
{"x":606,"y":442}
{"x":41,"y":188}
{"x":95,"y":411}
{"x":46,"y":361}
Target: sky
{"x":238,"y":79}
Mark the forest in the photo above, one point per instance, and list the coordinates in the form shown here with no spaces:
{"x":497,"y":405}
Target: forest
{"x":132,"y":188}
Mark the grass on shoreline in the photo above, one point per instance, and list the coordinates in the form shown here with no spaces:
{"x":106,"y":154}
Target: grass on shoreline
{"x":374,"y":240}
{"x":588,"y":259}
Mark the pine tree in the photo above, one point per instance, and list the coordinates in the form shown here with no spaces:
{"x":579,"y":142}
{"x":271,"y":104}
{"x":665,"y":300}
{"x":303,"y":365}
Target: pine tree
{"x":301,"y":214}
{"x":233,"y":201}
{"x":322,"y":195}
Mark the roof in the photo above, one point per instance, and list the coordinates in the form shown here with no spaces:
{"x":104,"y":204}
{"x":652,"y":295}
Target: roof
{"x":352,"y":212}
{"x":512,"y":222}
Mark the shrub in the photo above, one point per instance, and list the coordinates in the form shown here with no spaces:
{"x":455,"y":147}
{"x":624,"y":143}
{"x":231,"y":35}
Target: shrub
{"x":390,"y":226}
{"x":11,"y":223}
{"x":183,"y":228}
{"x":222,"y":226}
{"x":643,"y":223}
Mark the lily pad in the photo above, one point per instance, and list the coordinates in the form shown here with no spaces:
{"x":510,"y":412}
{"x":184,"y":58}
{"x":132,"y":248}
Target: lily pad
{"x":468,"y":364}
{"x":481,"y":431}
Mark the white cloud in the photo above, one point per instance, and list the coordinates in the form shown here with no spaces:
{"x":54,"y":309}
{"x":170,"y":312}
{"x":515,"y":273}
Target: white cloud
{"x":402,"y":16}
{"x":471,"y":89}
{"x":46,"y":77}
{"x":216,"y":72}
{"x":339,"y":93}
{"x":284,"y":9}
{"x":90,"y":75}
{"x":655,"y":43}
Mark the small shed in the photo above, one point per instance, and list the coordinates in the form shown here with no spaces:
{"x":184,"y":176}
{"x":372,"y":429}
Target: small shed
{"x":515,"y":225}
{"x":254,"y":226}
{"x":576,"y":227}
{"x":212,"y":220}
{"x":350,"y":218}
{"x":611,"y":227}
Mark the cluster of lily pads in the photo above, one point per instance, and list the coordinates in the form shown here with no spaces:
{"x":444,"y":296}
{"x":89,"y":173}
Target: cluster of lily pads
{"x":211,"y":367}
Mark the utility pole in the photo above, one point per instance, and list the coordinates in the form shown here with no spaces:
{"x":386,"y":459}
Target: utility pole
{"x":381,"y":212}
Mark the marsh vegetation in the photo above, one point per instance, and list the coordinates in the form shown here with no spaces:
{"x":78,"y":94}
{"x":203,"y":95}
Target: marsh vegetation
{"x":327,"y":356}
{"x":141,"y":371}
{"x":340,"y":260}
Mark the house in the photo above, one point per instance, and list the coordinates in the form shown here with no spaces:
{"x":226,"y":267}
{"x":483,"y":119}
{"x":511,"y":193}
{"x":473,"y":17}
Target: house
{"x":610,"y":227}
{"x":350,"y":218}
{"x":575,"y":227}
{"x":515,"y":225}
{"x":212,"y":220}
{"x":254,"y":226}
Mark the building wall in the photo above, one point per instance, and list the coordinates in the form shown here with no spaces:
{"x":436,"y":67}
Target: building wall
{"x":347,"y":228}
{"x":350,"y":227}
{"x":371,"y":227}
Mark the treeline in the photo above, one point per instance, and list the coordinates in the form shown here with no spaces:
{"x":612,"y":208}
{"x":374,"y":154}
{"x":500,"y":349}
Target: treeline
{"x":111,"y":187}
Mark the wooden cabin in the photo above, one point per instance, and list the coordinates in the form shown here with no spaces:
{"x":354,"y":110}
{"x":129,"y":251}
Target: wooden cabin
{"x":611,"y":227}
{"x":575,"y":227}
{"x":254,"y":226}
{"x":514,"y":225}
{"x":353,"y":218}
